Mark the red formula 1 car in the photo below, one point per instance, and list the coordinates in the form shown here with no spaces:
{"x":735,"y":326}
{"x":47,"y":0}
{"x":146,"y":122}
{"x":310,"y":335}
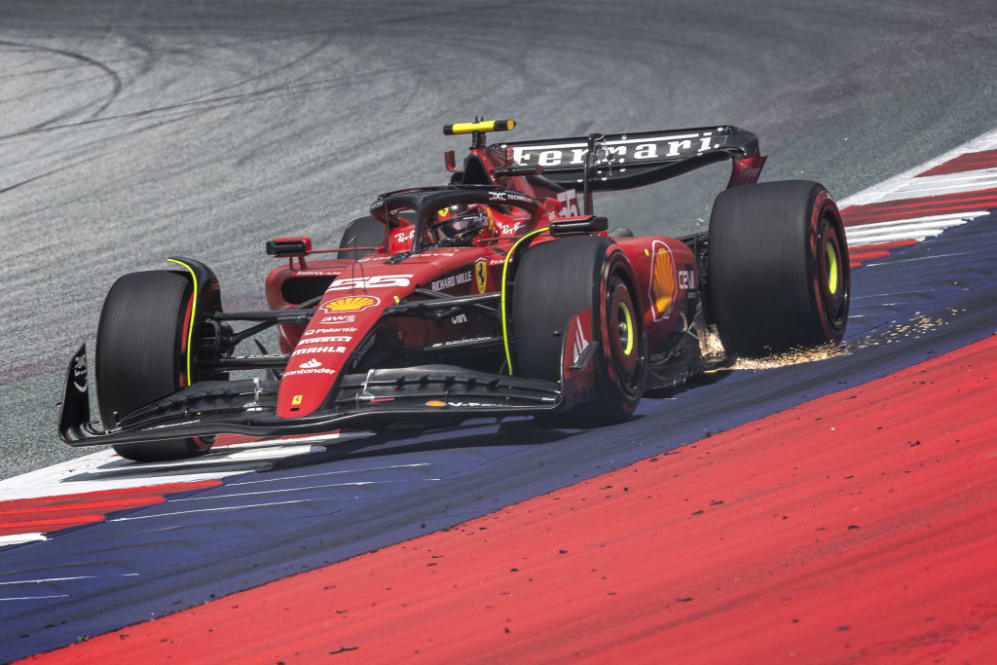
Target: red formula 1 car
{"x":491,"y":296}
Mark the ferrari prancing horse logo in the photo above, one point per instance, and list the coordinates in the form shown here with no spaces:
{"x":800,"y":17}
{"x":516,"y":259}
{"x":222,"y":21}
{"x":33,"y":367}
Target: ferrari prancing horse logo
{"x":481,"y":274}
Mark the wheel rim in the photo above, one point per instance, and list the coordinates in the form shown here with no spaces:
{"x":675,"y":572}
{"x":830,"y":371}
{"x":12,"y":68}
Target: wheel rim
{"x":623,"y":342}
{"x":833,"y":276}
{"x":832,"y":268}
{"x":625,"y":328}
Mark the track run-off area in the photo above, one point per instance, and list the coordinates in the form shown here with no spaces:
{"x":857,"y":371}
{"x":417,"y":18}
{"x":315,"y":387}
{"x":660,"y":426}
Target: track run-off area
{"x":837,"y":510}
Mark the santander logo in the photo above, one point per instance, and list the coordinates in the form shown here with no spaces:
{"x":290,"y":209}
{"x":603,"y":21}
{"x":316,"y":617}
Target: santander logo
{"x":310,"y":364}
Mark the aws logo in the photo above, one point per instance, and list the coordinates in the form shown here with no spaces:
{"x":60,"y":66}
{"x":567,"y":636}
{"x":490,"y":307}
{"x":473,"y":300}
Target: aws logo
{"x":351,"y":303}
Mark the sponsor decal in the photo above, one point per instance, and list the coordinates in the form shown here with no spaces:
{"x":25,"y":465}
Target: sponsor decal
{"x":375,"y":282}
{"x":326,"y":331}
{"x":319,"y":370}
{"x":296,"y":400}
{"x":619,"y":151}
{"x":316,"y":273}
{"x":326,"y":339}
{"x":507,"y":196}
{"x":687,"y":280}
{"x":662,"y":289}
{"x":351,"y":304}
{"x":481,"y":275}
{"x":337,"y":319}
{"x":459,"y":405}
{"x":318,"y":349}
{"x":310,"y":364}
{"x":509,"y":229}
{"x":450,"y":281}
{"x":569,"y":203}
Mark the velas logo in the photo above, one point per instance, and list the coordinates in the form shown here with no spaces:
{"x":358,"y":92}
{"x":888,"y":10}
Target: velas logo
{"x":351,"y":303}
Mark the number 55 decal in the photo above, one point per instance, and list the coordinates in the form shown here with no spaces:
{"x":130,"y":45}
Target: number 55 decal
{"x":375,"y":282}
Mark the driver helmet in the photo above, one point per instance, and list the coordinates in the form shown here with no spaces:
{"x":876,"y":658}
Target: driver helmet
{"x":461,"y":223}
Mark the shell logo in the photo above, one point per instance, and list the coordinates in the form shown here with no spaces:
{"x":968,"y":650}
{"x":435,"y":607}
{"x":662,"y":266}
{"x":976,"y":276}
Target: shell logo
{"x":351,"y":303}
{"x":662,"y":280}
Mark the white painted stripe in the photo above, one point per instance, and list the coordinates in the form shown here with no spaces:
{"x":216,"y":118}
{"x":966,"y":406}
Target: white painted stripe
{"x":104,"y":470}
{"x":61,"y":595}
{"x":913,"y":229}
{"x":896,"y":236}
{"x":65,"y":579}
{"x":18,"y":538}
{"x":957,"y":177}
{"x":898,"y":293}
{"x":886,"y":190}
{"x":331,"y":473}
{"x":358,"y":483}
{"x":215,"y":497}
{"x":961,"y":216}
{"x":928,"y":186}
{"x":208,"y":510}
{"x":920,"y":258}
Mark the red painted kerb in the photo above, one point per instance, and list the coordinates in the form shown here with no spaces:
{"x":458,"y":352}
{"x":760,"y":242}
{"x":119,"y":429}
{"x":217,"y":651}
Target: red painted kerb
{"x":857,"y":528}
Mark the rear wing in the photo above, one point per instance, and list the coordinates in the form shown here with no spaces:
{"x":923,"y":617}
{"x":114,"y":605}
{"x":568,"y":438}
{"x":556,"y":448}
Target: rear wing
{"x":625,"y":161}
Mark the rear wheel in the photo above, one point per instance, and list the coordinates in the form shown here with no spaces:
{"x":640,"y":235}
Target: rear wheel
{"x":142,"y":343}
{"x":778,"y":267}
{"x":554,"y":282}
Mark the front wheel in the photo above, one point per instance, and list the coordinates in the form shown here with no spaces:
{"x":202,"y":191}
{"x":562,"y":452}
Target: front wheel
{"x":361,"y":232}
{"x":556,"y":281}
{"x":142,"y":342}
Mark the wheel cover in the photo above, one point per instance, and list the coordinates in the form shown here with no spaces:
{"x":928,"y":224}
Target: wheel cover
{"x":622,"y":335}
{"x":625,"y":327}
{"x":833,"y":276}
{"x":832,"y":267}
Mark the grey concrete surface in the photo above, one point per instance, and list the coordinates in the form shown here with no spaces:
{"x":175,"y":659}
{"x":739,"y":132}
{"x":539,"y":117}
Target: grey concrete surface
{"x":130,"y":131}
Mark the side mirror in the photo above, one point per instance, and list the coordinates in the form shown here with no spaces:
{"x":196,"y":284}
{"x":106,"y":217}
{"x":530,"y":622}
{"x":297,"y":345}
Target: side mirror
{"x":289,"y":246}
{"x":578,"y":225}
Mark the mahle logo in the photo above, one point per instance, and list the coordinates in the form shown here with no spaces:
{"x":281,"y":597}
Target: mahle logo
{"x":351,"y":303}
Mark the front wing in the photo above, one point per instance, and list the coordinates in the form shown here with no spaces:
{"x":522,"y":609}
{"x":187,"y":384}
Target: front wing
{"x":375,"y":399}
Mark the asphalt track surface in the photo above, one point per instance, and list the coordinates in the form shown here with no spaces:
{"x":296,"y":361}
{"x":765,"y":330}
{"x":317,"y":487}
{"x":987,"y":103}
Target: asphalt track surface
{"x":136,"y":130}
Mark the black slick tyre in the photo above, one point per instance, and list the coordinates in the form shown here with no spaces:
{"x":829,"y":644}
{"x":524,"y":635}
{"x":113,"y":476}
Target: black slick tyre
{"x":778,"y":268}
{"x":361,"y":232}
{"x":141,"y":354}
{"x":555,"y":281}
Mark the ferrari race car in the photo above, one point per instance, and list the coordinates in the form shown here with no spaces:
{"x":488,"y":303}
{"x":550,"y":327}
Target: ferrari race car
{"x":492,"y":296}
